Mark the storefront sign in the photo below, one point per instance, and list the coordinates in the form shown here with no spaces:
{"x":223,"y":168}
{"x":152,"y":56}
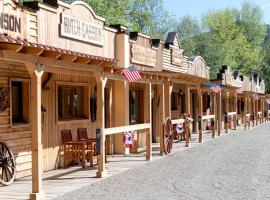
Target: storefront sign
{"x":9,"y":22}
{"x":75,"y":28}
{"x":143,"y":56}
{"x":177,"y":56}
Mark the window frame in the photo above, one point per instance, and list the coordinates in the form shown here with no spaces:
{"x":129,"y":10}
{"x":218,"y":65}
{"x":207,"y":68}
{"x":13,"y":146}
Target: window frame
{"x":86,"y":87}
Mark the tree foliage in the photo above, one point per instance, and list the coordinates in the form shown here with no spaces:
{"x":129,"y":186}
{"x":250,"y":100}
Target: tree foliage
{"x":235,"y":37}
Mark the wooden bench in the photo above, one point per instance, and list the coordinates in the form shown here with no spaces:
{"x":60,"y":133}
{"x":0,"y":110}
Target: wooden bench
{"x":90,"y":144}
{"x":72,"y":150}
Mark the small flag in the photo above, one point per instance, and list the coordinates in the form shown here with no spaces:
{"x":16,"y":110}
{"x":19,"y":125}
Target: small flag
{"x":128,"y":138}
{"x":131,"y":74}
{"x":179,"y":129}
{"x":214,"y":87}
{"x":209,"y":124}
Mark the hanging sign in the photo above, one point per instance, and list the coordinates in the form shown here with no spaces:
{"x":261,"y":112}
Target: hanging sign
{"x":128,"y":138}
{"x":75,"y":28}
{"x":177,"y":56}
{"x":9,"y":22}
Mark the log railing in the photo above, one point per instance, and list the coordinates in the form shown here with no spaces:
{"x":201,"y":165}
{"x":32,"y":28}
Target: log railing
{"x":207,"y":117}
{"x":136,"y":127}
{"x":122,"y":129}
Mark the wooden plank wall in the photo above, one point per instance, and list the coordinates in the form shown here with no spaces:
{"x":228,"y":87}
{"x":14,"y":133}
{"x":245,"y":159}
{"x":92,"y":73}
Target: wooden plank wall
{"x":52,"y":143}
{"x":49,"y":31}
{"x":167,"y":64}
{"x":18,"y":137}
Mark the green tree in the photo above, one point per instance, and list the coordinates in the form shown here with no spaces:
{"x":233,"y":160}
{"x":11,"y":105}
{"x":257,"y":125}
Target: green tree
{"x":188,"y":29}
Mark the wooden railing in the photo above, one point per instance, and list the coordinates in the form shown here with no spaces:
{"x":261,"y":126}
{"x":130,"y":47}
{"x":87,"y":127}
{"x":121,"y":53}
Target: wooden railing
{"x":122,"y":129}
{"x":178,"y":121}
{"x":206,"y":117}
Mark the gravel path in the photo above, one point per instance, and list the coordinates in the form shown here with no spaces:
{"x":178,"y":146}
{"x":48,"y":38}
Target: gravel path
{"x":233,"y":166}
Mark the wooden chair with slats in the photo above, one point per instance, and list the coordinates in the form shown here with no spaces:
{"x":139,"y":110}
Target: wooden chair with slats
{"x":90,"y":144}
{"x":72,"y":150}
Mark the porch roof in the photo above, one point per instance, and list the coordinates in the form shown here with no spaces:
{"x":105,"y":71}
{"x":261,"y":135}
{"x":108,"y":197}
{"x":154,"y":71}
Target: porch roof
{"x":19,"y":45}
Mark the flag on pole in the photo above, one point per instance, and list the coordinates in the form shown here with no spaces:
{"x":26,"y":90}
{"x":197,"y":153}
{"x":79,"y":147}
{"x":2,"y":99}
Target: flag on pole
{"x":214,"y":87}
{"x":131,"y":74}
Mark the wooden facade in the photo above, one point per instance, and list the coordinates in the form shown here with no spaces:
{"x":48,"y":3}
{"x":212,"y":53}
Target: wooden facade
{"x":61,"y":70}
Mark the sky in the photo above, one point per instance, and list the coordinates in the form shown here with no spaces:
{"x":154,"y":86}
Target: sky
{"x":196,"y":8}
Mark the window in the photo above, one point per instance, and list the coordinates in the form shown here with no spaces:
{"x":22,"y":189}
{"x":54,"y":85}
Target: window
{"x":71,"y":102}
{"x":20,"y":102}
{"x":136,"y":105}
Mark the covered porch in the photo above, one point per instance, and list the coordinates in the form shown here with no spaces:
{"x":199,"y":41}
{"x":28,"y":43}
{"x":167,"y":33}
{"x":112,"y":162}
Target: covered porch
{"x":46,"y":77}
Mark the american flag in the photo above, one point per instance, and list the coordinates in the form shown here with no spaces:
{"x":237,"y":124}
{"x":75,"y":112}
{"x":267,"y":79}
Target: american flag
{"x":214,"y":87}
{"x":131,"y":74}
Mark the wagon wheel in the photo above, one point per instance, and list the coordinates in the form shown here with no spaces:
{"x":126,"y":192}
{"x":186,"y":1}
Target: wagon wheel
{"x":7,"y":165}
{"x":168,"y":136}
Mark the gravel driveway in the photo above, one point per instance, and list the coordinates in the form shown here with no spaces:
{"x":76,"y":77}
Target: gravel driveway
{"x":233,"y":166}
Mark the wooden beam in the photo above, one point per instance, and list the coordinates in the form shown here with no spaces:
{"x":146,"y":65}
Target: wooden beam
{"x":213,"y":112}
{"x":36,"y":73}
{"x":100,"y":122}
{"x":245,"y":112}
{"x":148,"y":119}
{"x":25,"y":58}
{"x":219,"y":114}
{"x":200,"y":114}
{"x":187,"y":111}
{"x":226,"y":121}
{"x":121,"y":129}
{"x":161,"y":90}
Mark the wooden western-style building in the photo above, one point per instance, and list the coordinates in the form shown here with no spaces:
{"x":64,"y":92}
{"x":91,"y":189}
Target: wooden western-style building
{"x":231,"y":83}
{"x":61,"y":73}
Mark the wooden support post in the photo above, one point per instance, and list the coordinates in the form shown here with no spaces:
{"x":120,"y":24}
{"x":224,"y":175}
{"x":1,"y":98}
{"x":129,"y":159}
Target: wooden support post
{"x":36,"y":72}
{"x":161,"y":89}
{"x":168,"y":90}
{"x":200,"y":114}
{"x":147,"y":119}
{"x":187,"y":111}
{"x":120,"y":112}
{"x":235,"y":110}
{"x":101,"y":83}
{"x":213,"y":112}
{"x":226,"y":120}
{"x":263,"y":110}
{"x":245,"y":112}
{"x":218,"y":113}
{"x":254,"y":112}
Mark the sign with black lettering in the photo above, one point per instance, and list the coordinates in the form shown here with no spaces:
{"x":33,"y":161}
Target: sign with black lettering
{"x":9,"y":22}
{"x":75,"y":28}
